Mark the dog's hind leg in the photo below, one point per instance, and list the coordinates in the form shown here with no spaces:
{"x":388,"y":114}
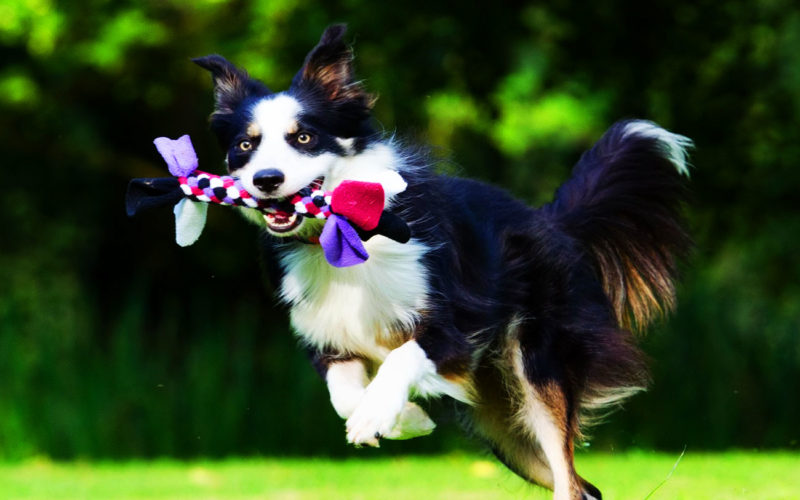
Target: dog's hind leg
{"x":547,"y":415}
{"x":494,"y":418}
{"x":521,"y":454}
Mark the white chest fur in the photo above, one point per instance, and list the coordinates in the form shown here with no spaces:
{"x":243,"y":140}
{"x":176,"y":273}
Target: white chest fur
{"x":356,"y":309}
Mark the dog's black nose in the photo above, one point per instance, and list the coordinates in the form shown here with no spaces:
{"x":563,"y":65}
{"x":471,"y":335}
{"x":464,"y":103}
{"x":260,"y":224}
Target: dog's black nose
{"x":268,"y":179}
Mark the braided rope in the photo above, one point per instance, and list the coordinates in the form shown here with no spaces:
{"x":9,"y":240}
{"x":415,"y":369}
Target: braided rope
{"x":311,"y":201}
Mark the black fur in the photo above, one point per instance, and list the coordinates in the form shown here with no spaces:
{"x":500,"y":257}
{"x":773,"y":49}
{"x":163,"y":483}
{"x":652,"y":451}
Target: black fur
{"x":521,"y":301}
{"x":628,"y":217}
{"x":235,"y":93}
{"x":325,"y":85}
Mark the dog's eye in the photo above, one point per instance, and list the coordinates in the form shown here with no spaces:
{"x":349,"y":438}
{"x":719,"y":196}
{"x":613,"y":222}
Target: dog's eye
{"x":245,"y":145}
{"x":303,"y":138}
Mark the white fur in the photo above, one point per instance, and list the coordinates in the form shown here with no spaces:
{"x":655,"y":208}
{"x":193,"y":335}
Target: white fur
{"x":346,"y":144}
{"x":357,"y":309}
{"x":363,"y":308}
{"x":542,"y":424}
{"x":674,"y":145}
{"x":346,"y":383}
{"x":386,"y":396}
{"x":378,"y":163}
{"x":551,"y":439}
{"x":360,"y":309}
{"x":275,"y":117}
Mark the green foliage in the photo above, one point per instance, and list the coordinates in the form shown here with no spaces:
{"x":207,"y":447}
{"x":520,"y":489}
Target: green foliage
{"x":116,"y":343}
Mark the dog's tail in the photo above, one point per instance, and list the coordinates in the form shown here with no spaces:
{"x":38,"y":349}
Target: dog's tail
{"x":623,"y":205}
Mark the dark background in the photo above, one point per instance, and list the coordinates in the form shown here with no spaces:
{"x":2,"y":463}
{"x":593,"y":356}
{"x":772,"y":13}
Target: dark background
{"x":114,"y":342}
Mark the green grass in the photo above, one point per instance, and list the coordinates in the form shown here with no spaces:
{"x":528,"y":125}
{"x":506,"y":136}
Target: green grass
{"x":631,"y":475}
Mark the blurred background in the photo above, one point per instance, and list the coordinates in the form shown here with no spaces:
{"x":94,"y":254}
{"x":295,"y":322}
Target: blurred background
{"x":116,"y":343}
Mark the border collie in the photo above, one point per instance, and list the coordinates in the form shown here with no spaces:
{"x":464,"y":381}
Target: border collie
{"x":524,"y":315}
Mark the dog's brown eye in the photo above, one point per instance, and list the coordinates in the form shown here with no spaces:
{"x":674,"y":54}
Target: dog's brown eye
{"x":245,"y":145}
{"x":303,"y":138}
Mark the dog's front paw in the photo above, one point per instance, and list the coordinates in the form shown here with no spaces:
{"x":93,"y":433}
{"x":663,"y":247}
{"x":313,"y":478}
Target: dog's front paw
{"x":374,"y":418}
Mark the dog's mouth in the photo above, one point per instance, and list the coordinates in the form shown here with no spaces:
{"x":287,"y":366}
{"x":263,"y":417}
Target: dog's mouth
{"x":281,"y":216}
{"x":282,"y":222}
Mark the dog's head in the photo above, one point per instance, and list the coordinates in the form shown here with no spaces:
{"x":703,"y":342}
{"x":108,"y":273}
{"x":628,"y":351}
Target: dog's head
{"x":281,"y":142}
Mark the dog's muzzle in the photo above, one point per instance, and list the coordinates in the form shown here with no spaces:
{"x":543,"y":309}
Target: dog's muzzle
{"x":268,"y":180}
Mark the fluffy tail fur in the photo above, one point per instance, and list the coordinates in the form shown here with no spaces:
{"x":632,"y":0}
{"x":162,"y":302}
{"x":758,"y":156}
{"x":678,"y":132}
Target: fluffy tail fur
{"x":623,"y":203}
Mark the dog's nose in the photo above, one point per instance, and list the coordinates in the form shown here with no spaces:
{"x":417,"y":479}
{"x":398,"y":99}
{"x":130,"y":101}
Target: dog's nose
{"x":268,"y":179}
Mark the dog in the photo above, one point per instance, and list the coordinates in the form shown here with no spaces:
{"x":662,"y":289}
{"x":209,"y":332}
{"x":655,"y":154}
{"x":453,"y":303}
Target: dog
{"x":523,"y":315}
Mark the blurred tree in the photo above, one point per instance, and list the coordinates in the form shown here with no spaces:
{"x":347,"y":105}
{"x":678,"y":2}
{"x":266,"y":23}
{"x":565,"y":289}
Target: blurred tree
{"x":114,"y":342}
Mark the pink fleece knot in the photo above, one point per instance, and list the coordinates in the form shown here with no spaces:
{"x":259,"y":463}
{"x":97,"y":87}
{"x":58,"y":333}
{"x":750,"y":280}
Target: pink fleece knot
{"x":361,"y":202}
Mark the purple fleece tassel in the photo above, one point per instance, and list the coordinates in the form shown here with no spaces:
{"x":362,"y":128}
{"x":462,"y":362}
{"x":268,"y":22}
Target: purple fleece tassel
{"x":341,"y":243}
{"x":179,"y":155}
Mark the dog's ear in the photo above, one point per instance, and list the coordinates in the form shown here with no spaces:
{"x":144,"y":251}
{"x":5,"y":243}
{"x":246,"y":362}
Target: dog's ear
{"x":329,"y":66}
{"x":231,"y":84}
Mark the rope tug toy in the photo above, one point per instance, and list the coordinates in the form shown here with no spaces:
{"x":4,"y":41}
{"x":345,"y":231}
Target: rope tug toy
{"x":353,"y":212}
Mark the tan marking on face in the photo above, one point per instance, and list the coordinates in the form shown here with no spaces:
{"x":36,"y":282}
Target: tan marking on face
{"x":293,"y":128}
{"x":253,"y":130}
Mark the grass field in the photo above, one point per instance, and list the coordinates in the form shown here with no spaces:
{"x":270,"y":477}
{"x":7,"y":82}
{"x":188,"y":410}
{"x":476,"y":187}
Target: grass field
{"x":632,"y":475}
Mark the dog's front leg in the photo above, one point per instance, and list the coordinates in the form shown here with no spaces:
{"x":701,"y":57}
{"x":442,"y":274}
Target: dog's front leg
{"x":346,"y":381}
{"x":384,"y":409}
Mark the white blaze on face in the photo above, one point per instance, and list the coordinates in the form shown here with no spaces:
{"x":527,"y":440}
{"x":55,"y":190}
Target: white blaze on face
{"x":276,"y":117}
